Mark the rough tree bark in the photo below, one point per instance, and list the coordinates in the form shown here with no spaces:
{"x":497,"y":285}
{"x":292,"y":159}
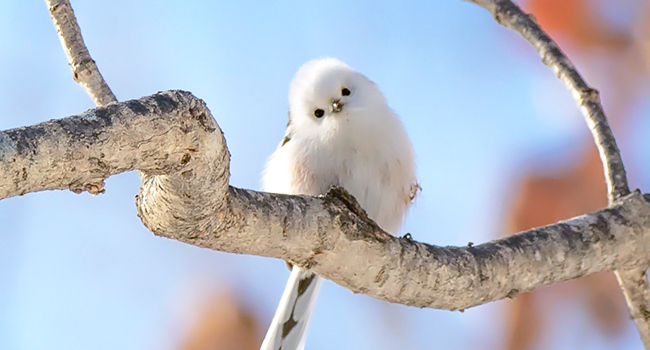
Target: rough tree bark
{"x":172,"y":138}
{"x":633,"y":282}
{"x":84,"y":69}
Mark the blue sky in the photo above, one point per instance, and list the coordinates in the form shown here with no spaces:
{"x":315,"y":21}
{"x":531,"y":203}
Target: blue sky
{"x":82,"y":272}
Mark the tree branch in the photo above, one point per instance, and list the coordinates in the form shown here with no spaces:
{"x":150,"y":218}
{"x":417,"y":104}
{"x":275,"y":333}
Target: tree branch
{"x":198,"y":190}
{"x":508,"y":14}
{"x":634,"y":283}
{"x":173,"y":139}
{"x":84,"y":69}
{"x":79,"y":152}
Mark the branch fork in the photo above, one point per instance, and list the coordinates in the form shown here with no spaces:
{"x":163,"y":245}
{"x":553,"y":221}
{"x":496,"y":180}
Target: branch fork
{"x":172,"y":139}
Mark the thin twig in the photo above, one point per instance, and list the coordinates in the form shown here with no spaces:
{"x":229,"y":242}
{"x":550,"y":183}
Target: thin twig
{"x":510,"y":15}
{"x":635,"y":287}
{"x":634,"y":282}
{"x":84,"y":69}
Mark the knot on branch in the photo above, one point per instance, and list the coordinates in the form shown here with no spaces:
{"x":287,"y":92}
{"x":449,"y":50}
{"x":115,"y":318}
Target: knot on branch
{"x":190,"y":180}
{"x":589,"y":95}
{"x":354,"y":220}
{"x":340,"y":194}
{"x":503,"y":11}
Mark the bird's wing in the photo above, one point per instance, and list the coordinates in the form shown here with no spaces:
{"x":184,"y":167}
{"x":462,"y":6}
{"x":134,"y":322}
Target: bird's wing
{"x":289,"y":132}
{"x":289,"y":325}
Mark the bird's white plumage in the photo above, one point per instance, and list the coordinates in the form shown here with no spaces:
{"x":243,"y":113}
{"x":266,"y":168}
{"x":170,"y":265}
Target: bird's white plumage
{"x":358,"y":143}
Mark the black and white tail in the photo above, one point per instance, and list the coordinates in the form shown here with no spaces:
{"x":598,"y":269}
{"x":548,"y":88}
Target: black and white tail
{"x":289,"y":325}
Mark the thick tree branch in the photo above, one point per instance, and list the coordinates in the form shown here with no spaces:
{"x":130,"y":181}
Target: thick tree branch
{"x":634,"y":283}
{"x":79,"y":152}
{"x":172,"y":138}
{"x":198,"y":190}
{"x":84,"y":69}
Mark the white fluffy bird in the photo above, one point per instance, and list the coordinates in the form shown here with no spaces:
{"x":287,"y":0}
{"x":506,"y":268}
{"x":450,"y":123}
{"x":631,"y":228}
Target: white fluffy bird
{"x":341,"y":132}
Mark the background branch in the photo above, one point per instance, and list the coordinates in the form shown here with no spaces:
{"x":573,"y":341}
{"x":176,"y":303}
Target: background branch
{"x":634,"y":283}
{"x":508,"y":14}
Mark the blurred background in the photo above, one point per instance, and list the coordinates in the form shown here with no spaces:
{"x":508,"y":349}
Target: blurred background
{"x":501,"y":148}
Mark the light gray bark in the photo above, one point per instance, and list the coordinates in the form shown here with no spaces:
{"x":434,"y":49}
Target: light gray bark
{"x":84,"y":69}
{"x":172,"y":138}
{"x":79,"y":152}
{"x":508,"y":14}
{"x":634,"y":283}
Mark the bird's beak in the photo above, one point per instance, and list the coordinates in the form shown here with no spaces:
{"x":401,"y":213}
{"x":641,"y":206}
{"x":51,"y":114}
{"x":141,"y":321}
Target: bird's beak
{"x":337,"y":106}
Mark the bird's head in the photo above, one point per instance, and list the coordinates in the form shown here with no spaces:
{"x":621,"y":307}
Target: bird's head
{"x":328,"y":98}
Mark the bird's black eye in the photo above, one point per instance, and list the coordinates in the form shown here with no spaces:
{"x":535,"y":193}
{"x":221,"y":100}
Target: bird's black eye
{"x":319,"y":113}
{"x":345,"y":91}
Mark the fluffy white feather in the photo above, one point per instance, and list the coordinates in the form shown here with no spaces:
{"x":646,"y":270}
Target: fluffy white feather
{"x":341,"y":132}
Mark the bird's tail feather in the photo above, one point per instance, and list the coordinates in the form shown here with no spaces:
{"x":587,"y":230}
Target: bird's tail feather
{"x":289,"y":325}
